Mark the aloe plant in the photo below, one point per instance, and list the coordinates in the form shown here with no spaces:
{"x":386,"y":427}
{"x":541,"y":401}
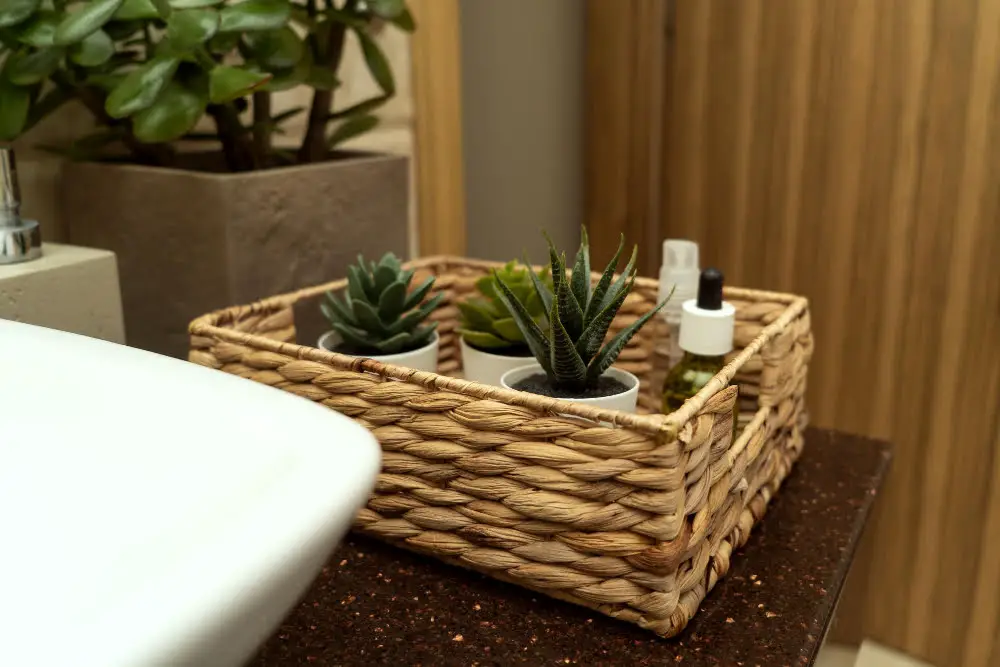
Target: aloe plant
{"x":149,"y":70}
{"x":376,"y":314}
{"x":488,"y":324}
{"x":572,"y":351}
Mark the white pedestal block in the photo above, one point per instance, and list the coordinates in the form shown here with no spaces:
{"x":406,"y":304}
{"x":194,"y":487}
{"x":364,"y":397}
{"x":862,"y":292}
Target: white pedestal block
{"x":70,"y":288}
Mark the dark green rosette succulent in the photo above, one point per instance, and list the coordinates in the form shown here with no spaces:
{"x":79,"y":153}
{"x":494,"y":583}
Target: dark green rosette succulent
{"x":377,"y":314}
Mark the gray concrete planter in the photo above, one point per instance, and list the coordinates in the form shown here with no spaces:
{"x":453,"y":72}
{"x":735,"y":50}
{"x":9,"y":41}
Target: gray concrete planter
{"x":189,"y":242}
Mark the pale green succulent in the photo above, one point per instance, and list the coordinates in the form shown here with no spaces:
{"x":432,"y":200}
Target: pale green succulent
{"x":487,"y":323}
{"x":376,"y":315}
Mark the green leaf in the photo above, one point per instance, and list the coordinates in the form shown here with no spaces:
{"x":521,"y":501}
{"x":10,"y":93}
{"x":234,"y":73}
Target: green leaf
{"x":226,"y":83}
{"x":482,"y":339}
{"x":533,"y":335}
{"x":193,"y":4}
{"x":363,"y":107}
{"x":254,"y":15}
{"x":390,"y":303}
{"x":95,"y":49}
{"x":609,"y":353}
{"x":508,"y":329}
{"x":415,"y":317}
{"x":542,"y":291}
{"x":354,"y":337}
{"x":224,"y":42}
{"x":387,"y":9}
{"x":46,"y":104}
{"x":567,"y":368}
{"x":418,"y":294}
{"x":390,"y":261}
{"x":351,"y":128}
{"x":106,"y":82}
{"x":580,"y":280}
{"x":476,"y":315}
{"x":377,"y":63}
{"x":14,"y":110}
{"x":624,"y":276}
{"x":404,"y":21}
{"x":121,"y":31}
{"x":34,"y":67}
{"x":40,"y":31}
{"x":321,"y":78}
{"x":131,"y":10}
{"x":78,"y":25}
{"x":597,"y":296}
{"x":337,"y":312}
{"x":173,"y":114}
{"x":140,"y":87}
{"x":569,"y":309}
{"x":89,"y":146}
{"x":593,"y":334}
{"x":367,"y":317}
{"x":360,"y":284}
{"x":190,"y":28}
{"x":275,"y":49}
{"x":385,"y":276}
{"x":394,"y":344}
{"x":13,"y":12}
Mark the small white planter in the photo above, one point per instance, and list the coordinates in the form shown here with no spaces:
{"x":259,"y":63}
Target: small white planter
{"x":625,"y":401}
{"x":487,"y":368}
{"x":422,"y":359}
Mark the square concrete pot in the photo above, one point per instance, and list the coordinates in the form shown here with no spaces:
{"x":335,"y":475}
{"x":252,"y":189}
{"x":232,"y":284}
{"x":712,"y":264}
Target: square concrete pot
{"x":191,"y":241}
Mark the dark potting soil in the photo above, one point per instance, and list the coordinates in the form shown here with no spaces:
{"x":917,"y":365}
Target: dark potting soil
{"x":539,"y":384}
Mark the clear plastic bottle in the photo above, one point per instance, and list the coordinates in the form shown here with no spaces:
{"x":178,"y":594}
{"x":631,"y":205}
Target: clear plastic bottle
{"x":679,"y":272}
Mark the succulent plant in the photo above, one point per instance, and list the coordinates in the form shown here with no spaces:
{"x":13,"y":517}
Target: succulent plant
{"x":149,"y":70}
{"x":488,"y":324}
{"x":376,"y":314}
{"x":572,"y":352}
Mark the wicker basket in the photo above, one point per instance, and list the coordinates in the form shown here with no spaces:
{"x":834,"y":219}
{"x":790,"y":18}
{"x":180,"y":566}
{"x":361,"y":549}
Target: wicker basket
{"x":633,"y":515}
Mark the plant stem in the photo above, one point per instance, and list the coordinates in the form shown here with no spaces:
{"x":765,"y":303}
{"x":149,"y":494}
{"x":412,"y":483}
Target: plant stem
{"x":262,"y":127}
{"x":313,"y":147}
{"x":237,"y":151}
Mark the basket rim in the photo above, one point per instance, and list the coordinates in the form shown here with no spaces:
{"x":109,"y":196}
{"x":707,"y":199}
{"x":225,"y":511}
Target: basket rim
{"x":666,"y":426}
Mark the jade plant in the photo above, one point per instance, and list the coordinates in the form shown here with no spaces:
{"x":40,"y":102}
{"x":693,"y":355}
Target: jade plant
{"x":572,"y":352}
{"x":377,"y":314}
{"x":487,"y":324}
{"x":149,"y":70}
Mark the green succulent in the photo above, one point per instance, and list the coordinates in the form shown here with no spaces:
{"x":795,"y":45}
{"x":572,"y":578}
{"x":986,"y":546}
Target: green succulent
{"x":572,"y":352}
{"x":375,"y":314}
{"x":488,"y":324}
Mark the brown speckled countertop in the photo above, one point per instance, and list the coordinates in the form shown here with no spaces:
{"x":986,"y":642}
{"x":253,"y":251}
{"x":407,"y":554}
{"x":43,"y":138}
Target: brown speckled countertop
{"x":374,"y":604}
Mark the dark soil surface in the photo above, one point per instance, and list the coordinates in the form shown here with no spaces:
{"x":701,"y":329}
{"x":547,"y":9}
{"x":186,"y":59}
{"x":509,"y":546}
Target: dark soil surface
{"x":539,"y":384}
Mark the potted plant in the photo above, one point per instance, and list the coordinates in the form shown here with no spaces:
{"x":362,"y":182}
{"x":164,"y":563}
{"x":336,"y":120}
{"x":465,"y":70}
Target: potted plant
{"x":491,"y":341}
{"x":377,"y":317}
{"x":252,"y":212}
{"x":573,"y":361}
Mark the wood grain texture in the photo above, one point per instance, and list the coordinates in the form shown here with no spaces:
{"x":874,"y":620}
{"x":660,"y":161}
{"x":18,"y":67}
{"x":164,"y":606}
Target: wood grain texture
{"x":847,"y":151}
{"x":437,"y":99}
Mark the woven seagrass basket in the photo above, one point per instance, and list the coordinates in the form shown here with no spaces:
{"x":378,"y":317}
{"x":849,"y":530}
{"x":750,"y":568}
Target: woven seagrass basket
{"x":633,"y":515}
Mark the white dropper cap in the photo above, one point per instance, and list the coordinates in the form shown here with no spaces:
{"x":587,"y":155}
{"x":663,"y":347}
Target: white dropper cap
{"x":707,"y":322}
{"x":680,"y":268}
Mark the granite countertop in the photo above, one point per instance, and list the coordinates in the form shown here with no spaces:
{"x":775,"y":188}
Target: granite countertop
{"x":375,"y":604}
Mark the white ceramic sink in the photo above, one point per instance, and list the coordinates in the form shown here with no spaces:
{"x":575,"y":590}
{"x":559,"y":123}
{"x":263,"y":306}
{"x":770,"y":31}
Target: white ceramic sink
{"x":154,"y":512}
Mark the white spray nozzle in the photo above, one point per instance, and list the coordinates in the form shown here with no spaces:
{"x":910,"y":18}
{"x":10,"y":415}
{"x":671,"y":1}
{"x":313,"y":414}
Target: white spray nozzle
{"x":679,"y":272}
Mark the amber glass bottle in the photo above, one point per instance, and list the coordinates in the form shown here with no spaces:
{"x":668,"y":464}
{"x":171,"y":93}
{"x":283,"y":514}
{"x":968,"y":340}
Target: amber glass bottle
{"x":706,"y":336}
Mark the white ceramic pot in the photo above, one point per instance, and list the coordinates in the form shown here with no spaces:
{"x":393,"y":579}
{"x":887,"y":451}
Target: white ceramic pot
{"x":479,"y":366}
{"x":625,"y":401}
{"x":422,"y":359}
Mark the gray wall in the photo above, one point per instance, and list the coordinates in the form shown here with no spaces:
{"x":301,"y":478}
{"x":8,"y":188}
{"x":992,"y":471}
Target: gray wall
{"x":522,"y":97}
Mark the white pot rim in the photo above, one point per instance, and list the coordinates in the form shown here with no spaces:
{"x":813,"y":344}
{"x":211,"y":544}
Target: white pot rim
{"x":478,"y":350}
{"x":323,"y":341}
{"x":617,"y":373}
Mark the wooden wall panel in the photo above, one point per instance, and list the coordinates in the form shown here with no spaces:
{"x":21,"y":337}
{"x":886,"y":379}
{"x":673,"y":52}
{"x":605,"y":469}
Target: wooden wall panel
{"x":850,"y":151}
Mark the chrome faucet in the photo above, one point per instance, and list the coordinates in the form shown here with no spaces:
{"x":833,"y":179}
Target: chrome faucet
{"x":20,"y":239}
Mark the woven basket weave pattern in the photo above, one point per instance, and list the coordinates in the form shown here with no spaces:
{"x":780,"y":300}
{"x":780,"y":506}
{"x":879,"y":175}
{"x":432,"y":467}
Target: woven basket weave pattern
{"x":632,"y":515}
